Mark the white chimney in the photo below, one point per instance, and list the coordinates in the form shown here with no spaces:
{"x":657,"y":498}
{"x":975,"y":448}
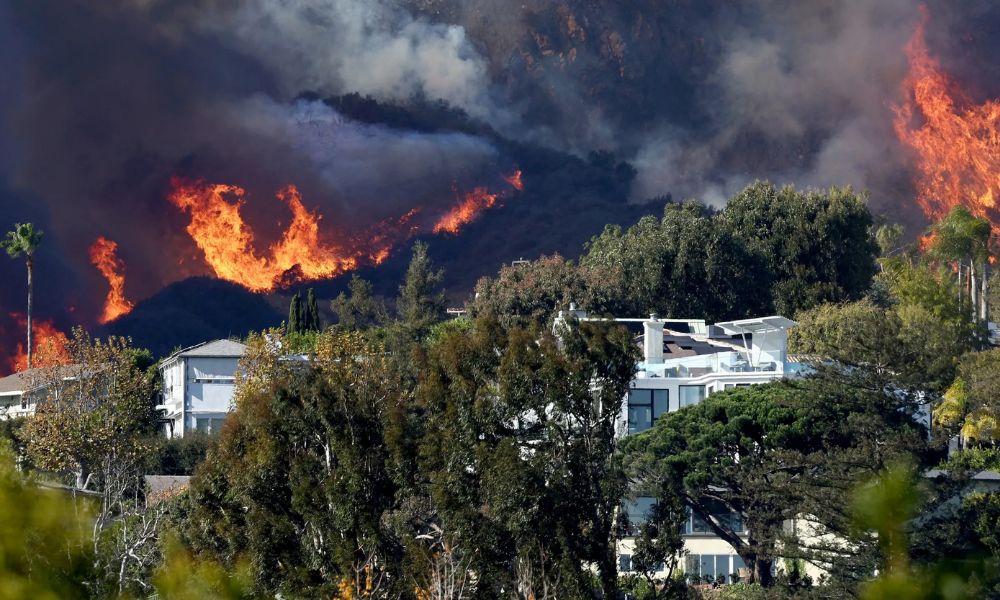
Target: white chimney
{"x":653,"y":340}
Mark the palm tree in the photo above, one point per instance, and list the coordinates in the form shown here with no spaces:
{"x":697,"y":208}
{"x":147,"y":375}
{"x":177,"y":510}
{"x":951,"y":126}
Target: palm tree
{"x":23,"y":241}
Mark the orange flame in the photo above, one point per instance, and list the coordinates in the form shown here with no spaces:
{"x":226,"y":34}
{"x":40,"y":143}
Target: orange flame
{"x":514,"y":179}
{"x":50,"y":345}
{"x":465,"y":211}
{"x":228,"y":243}
{"x":104,"y":256}
{"x":956,"y":143}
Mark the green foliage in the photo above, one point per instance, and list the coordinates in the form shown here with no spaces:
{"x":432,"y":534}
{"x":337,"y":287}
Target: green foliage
{"x":312,"y":319}
{"x":961,"y":236}
{"x":971,"y":406}
{"x":296,"y":319}
{"x":300,"y":479}
{"x":518,"y":451}
{"x":771,"y":452}
{"x":92,"y":413}
{"x":770,"y":250}
{"x":177,"y":456}
{"x":183,"y":578}
{"x":421,"y":303}
{"x":886,"y":505}
{"x":522,"y":294}
{"x":42,"y":540}
{"x":817,"y":247}
{"x":440,"y":331}
{"x":359,"y":310}
{"x":904,"y":344}
{"x":888,"y":237}
{"x":23,"y":240}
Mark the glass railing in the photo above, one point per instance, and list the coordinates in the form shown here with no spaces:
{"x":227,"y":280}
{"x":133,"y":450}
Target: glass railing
{"x":720,"y":363}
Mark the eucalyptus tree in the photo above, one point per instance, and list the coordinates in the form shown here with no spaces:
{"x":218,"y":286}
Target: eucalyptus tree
{"x":24,"y":241}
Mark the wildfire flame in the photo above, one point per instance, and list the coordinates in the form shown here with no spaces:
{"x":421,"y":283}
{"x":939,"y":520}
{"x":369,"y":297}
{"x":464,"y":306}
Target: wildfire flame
{"x":514,"y":179}
{"x":956,"y":142}
{"x":230,"y":247}
{"x":465,"y":211}
{"x":472,"y":204}
{"x":229,"y":244}
{"x":50,"y":345}
{"x":104,"y":256}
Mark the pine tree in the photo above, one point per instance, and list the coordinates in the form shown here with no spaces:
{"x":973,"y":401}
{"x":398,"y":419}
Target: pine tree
{"x":295,"y":318}
{"x":421,"y":303}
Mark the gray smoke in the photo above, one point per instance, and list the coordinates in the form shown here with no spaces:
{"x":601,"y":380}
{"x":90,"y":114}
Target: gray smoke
{"x":803,"y":96}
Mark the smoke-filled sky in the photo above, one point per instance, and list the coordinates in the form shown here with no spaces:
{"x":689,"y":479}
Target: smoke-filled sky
{"x":102,"y":102}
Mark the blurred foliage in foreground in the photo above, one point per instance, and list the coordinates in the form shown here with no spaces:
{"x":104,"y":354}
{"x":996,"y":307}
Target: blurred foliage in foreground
{"x":46,"y":549}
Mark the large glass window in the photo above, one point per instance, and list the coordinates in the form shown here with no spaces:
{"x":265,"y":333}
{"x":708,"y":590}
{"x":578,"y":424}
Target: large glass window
{"x":209,"y":424}
{"x":691,"y":394}
{"x":638,"y":512}
{"x":711,"y":567}
{"x":644,"y":407}
{"x":728,"y":518}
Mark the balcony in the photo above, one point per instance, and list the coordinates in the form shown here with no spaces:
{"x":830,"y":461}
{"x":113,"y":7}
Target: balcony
{"x":693,"y":367}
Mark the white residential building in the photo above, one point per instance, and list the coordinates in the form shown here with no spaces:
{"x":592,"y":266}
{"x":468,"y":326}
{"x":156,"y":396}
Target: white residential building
{"x":15,"y":397}
{"x":684,"y":361}
{"x":198,"y":386}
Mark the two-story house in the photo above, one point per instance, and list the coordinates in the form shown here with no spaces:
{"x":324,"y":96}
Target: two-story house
{"x":684,"y":361}
{"x":198,"y":384}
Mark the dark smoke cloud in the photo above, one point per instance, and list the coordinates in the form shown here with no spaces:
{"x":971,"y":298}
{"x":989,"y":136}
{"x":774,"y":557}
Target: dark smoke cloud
{"x":105,"y":101}
{"x":112,"y":99}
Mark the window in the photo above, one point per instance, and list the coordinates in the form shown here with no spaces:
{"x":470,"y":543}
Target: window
{"x":711,"y":567}
{"x":624,"y":563}
{"x":209,"y":424}
{"x":24,"y":402}
{"x":644,"y":407}
{"x":637,"y":512}
{"x":697,"y":525}
{"x":730,"y":386}
{"x":691,"y":394}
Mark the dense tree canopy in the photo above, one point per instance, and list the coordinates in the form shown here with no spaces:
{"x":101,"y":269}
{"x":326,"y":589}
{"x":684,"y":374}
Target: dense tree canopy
{"x":775,"y":452}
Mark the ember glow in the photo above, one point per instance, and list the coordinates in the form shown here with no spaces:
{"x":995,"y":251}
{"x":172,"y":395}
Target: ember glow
{"x":229,"y":244}
{"x":956,"y":142}
{"x":514,"y":179}
{"x":104,"y":256}
{"x":50,"y":345}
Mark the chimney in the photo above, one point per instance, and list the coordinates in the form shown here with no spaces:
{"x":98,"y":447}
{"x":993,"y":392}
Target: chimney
{"x":653,"y":340}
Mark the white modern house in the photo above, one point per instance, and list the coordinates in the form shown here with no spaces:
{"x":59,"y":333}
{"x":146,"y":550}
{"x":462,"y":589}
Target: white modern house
{"x":198,"y":386}
{"x":684,"y":361}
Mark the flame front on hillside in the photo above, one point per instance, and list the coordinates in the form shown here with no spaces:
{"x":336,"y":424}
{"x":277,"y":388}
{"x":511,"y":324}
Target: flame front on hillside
{"x":229,"y":244}
{"x":104,"y":256}
{"x":302,"y":254}
{"x":956,"y":142}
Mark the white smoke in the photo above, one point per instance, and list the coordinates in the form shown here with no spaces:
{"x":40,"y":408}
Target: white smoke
{"x":339,"y":46}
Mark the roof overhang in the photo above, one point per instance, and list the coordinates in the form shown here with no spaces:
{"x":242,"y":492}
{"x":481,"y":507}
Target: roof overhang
{"x":757,"y":325}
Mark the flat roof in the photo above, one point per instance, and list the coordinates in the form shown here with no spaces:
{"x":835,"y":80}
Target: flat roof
{"x":757,"y":325}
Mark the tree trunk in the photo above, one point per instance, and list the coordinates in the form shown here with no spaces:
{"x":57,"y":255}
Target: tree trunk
{"x":961,"y":284}
{"x":762,"y":572}
{"x":31,"y":266}
{"x":984,"y":313}
{"x":973,"y":292}
{"x":608,"y":569}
